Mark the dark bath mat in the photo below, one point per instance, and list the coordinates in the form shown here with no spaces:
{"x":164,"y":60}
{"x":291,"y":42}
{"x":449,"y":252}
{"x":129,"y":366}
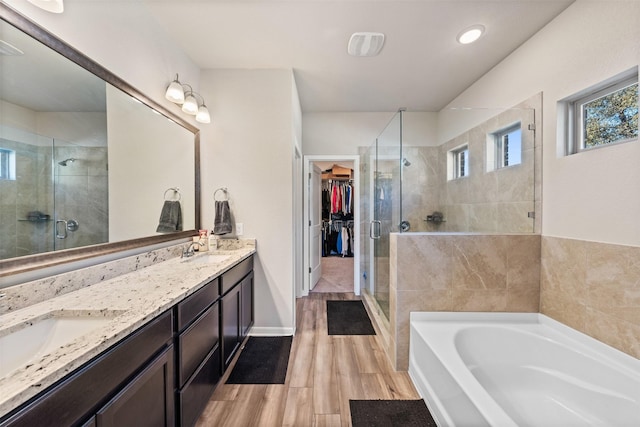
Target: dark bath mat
{"x":263,"y":360}
{"x":348,"y":318}
{"x":389,"y":413}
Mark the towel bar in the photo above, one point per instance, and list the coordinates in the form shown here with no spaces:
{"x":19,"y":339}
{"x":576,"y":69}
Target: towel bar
{"x":224,"y":190}
{"x":175,"y":190}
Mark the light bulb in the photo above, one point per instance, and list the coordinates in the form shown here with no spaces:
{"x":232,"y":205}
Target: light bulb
{"x":190,"y":105}
{"x":175,"y":93}
{"x":203,"y":115}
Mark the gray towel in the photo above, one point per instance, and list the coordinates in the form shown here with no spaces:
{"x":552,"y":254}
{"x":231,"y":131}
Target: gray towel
{"x":170,"y":217}
{"x":222,"y":222}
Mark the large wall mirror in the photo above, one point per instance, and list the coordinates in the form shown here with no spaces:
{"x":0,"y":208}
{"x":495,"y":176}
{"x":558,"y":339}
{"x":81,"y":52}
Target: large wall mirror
{"x":87,"y":162}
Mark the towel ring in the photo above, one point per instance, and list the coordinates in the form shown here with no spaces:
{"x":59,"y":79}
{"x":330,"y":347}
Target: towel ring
{"x":175,"y":190}
{"x":224,"y":190}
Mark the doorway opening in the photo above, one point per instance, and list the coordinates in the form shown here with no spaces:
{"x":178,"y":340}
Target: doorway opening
{"x":332,"y":232}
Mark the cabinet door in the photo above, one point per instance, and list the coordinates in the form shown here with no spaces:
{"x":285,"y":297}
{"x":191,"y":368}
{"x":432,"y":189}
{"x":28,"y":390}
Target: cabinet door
{"x":246,"y":312}
{"x":230,"y":324}
{"x":147,"y":400}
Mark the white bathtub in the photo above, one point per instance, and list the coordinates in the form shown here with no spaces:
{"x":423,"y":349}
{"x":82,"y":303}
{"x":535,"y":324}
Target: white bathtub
{"x":519,"y":369}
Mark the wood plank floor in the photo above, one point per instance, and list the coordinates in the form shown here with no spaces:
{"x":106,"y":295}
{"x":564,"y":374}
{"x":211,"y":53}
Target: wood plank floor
{"x":324,"y":373}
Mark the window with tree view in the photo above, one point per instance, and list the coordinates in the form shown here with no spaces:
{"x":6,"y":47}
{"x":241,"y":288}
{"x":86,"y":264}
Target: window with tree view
{"x":609,"y":115}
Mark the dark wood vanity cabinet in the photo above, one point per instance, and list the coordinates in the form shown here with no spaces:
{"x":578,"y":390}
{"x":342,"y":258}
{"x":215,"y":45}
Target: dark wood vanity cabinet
{"x":106,"y":382}
{"x":146,"y":401}
{"x":198,"y":351}
{"x":237,"y":307}
{"x":164,"y":373}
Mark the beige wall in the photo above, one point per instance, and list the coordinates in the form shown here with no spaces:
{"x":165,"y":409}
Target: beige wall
{"x":459,"y":272}
{"x":249,"y":148}
{"x":594,"y":288}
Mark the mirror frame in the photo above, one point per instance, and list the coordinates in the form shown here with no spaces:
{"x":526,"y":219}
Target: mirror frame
{"x":28,"y":263}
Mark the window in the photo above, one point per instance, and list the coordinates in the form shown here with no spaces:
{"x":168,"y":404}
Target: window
{"x":7,"y":164}
{"x":460,"y":162}
{"x":505,"y":147}
{"x":609,"y":116}
{"x":602,"y":115}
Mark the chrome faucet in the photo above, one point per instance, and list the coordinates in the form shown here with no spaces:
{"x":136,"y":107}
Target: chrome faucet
{"x":190,"y":251}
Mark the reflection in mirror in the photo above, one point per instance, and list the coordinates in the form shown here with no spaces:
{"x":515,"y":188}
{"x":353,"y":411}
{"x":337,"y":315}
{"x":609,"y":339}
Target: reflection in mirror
{"x":82,"y":162}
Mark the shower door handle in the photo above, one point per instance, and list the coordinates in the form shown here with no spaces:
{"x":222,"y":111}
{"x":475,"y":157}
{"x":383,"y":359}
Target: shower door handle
{"x":69,"y":225}
{"x":372,"y":228}
{"x":64,"y":229}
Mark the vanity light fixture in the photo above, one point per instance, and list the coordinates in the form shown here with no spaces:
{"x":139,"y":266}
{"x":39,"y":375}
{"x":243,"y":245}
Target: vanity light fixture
{"x":54,"y":6}
{"x":470,"y":34}
{"x":188,"y":99}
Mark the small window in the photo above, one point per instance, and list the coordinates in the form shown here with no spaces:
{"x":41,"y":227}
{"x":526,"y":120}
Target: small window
{"x":602,"y":115}
{"x":507,"y":147}
{"x":7,"y":164}
{"x":609,"y":116}
{"x":460,"y":162}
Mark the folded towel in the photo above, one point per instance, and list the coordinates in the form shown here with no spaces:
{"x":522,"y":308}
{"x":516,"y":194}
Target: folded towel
{"x":222,"y":222}
{"x":170,"y":217}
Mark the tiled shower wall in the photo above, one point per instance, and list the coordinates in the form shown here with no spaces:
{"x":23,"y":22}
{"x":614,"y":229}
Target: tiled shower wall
{"x":80,"y":192}
{"x":459,"y":272}
{"x":594,"y":288}
{"x":486,"y":201}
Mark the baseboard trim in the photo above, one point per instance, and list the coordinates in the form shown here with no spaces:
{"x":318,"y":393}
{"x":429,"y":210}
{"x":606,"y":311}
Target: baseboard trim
{"x":270,"y":331}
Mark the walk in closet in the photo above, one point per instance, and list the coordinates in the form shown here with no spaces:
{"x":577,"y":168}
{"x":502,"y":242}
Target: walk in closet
{"x":338,"y":237}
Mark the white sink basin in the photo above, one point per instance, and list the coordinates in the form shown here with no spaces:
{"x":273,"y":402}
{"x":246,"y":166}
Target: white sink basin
{"x":206,"y":258}
{"x":45,"y":334}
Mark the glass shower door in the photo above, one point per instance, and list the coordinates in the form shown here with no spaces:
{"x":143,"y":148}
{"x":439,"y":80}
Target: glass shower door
{"x":386,"y":205}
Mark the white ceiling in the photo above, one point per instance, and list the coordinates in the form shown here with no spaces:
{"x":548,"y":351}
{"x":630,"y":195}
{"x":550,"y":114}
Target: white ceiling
{"x":421,"y":66}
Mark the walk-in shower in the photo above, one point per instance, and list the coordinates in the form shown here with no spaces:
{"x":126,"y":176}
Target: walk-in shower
{"x":461,"y":183}
{"x":50,"y":205}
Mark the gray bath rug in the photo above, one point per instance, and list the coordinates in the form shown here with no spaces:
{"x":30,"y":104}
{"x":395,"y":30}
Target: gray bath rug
{"x":348,"y":318}
{"x":390,"y":413}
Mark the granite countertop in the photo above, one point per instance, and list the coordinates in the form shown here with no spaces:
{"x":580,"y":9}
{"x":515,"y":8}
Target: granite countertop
{"x":127,"y":301}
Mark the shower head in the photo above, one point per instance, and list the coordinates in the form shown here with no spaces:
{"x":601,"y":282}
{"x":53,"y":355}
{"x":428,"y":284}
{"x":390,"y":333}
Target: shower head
{"x":65,"y":161}
{"x":406,"y":162}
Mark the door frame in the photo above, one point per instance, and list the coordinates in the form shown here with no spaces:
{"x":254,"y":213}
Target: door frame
{"x":308,"y":161}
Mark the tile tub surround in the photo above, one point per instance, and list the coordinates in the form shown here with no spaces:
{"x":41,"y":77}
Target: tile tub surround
{"x":459,"y":272}
{"x":594,"y":288}
{"x":141,"y":295}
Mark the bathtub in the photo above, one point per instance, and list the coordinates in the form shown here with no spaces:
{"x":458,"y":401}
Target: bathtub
{"x":519,"y":369}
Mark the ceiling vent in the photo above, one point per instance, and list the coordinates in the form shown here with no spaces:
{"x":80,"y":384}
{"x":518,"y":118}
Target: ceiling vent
{"x":365,"y":44}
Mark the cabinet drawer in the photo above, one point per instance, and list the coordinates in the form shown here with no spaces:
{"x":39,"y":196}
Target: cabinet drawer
{"x":195,"y":304}
{"x":197,"y":341}
{"x":233,"y":276}
{"x":195,"y":395}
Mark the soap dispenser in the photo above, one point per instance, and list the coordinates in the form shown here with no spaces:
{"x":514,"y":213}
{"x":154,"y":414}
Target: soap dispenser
{"x":213,"y":242}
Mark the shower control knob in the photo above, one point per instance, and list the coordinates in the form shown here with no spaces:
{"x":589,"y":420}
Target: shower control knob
{"x":72,"y":225}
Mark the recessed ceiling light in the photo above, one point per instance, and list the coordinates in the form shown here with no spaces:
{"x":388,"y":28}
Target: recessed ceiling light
{"x":365,"y":44}
{"x":471,"y":34}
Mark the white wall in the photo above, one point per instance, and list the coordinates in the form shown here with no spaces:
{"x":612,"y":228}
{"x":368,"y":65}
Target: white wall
{"x":248,"y":148}
{"x":137,"y":186}
{"x":594,"y":195}
{"x":342,"y":133}
{"x":123,"y":37}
